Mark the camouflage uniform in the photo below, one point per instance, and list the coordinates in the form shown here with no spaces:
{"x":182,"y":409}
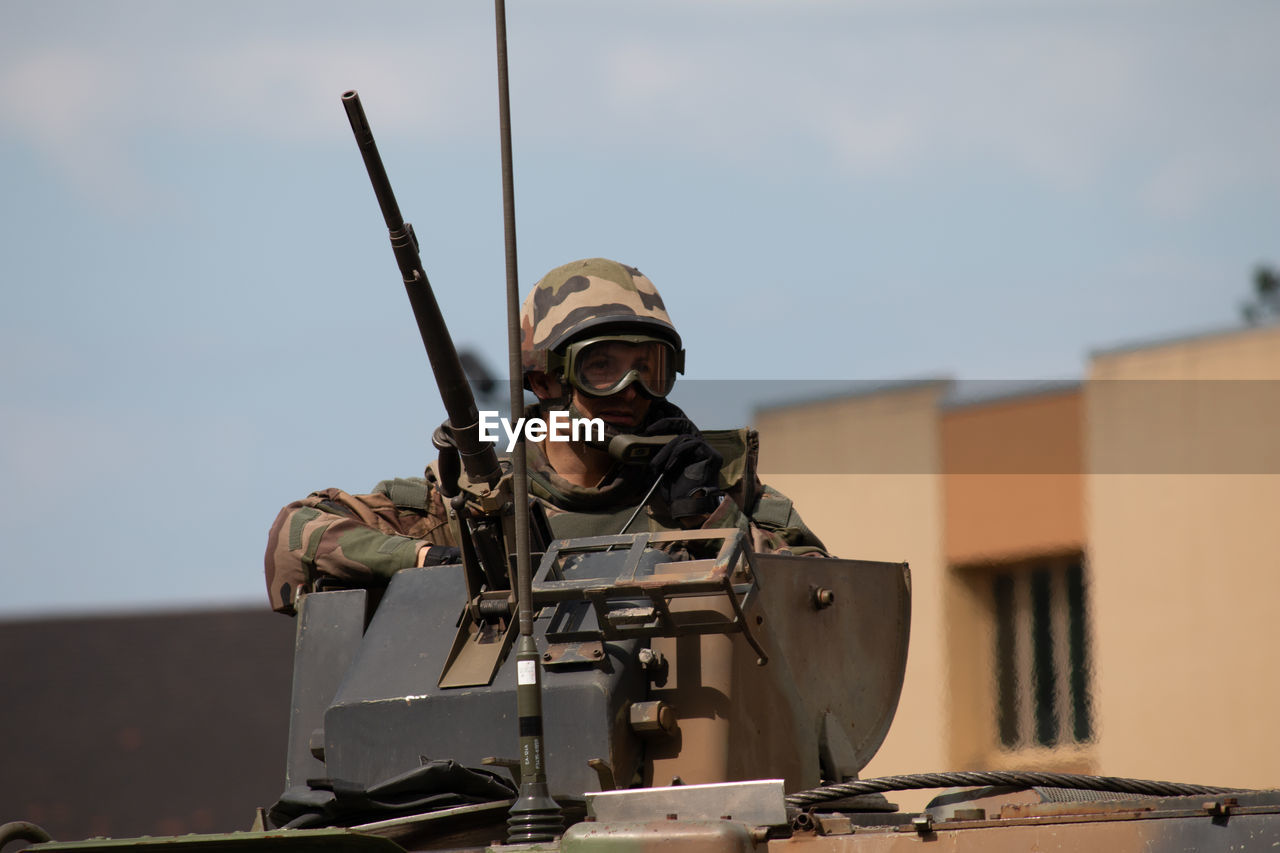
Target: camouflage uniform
{"x":351,"y":539}
{"x":769,"y":519}
{"x":363,"y":540}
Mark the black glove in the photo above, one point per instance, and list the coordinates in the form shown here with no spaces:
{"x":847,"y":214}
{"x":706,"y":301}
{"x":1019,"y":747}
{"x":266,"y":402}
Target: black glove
{"x":689,"y":468}
{"x":439,"y":555}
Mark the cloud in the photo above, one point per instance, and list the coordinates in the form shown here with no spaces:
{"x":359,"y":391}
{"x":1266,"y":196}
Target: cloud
{"x":58,"y":93}
{"x":289,"y":90}
{"x":50,"y":454}
{"x":1066,"y":96}
{"x":1072,"y":99}
{"x":89,"y":107}
{"x":64,"y":103}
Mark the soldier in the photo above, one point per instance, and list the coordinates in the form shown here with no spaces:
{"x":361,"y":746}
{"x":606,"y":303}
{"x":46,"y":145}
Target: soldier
{"x":596,"y":341}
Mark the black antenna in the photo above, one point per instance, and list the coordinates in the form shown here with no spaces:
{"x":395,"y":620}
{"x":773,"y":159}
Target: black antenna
{"x":534,"y":816}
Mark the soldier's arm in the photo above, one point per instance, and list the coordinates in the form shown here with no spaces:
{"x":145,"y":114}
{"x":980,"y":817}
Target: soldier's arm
{"x":359,"y":540}
{"x":763,"y":512}
{"x":773,"y":525}
{"x":777,"y":526}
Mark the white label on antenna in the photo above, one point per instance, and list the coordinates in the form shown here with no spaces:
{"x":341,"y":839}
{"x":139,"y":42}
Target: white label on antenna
{"x":527,"y":671}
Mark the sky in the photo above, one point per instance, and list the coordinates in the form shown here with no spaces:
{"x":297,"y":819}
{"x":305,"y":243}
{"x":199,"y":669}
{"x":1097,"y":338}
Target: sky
{"x":203,"y":321}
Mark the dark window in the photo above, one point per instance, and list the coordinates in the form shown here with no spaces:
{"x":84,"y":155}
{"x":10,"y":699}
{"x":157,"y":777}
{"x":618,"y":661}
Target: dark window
{"x":1042,"y":653}
{"x":1006,"y":660}
{"x":1078,"y":640}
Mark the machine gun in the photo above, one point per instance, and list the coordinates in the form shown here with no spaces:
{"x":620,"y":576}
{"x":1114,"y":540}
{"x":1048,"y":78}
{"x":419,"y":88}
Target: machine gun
{"x":476,"y":485}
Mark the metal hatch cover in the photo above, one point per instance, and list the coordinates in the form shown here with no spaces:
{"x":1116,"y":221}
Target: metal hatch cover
{"x":841,"y":630}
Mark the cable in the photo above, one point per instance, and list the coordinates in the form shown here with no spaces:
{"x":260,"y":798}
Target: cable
{"x":1020,"y":779}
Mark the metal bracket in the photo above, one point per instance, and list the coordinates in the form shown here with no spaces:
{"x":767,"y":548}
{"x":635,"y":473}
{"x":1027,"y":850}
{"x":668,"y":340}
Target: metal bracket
{"x":482,"y":642}
{"x":631,"y":597}
{"x":574,"y":653}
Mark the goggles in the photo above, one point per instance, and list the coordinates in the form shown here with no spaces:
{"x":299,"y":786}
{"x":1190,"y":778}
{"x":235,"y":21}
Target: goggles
{"x":606,"y":365}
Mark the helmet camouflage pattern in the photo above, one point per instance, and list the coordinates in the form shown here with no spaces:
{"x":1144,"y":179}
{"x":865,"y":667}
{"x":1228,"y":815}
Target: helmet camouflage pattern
{"x":589,"y":297}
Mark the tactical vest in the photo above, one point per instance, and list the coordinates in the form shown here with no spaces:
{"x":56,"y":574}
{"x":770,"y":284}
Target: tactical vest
{"x":740,"y":450}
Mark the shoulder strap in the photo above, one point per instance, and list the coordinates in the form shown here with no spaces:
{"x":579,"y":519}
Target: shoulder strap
{"x":741,"y":451}
{"x":774,"y":509}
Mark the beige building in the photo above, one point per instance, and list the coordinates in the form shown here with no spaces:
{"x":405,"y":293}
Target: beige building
{"x":1095,"y":565}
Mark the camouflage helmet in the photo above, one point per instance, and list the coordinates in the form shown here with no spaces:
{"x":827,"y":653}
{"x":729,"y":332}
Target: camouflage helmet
{"x":589,"y":297}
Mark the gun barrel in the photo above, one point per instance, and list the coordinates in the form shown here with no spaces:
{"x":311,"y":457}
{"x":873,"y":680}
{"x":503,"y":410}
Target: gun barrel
{"x":479,"y":459}
{"x":372,"y":160}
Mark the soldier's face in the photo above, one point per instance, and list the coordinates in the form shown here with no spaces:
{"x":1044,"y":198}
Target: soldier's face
{"x":624,"y":410}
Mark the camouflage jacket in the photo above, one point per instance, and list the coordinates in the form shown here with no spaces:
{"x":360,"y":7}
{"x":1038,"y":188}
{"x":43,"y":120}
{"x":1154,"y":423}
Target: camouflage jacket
{"x":361,"y":540}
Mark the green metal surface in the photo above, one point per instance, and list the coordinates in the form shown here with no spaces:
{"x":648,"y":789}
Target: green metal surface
{"x":334,"y":840}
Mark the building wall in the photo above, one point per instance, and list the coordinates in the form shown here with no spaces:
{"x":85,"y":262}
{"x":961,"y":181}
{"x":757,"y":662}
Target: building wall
{"x":1181,"y":513}
{"x":1013,"y":495}
{"x":879,"y":499}
{"x":1161,"y":473}
{"x":1013,"y":486}
{"x":156,"y":724}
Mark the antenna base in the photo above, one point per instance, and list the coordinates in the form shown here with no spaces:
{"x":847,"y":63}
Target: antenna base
{"x":535,"y":817}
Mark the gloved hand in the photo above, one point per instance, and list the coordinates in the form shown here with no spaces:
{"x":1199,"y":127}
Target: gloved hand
{"x":689,"y":468}
{"x":438,"y":555}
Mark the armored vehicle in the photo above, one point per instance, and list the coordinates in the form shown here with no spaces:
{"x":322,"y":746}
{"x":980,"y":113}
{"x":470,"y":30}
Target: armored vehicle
{"x":668,"y":690}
